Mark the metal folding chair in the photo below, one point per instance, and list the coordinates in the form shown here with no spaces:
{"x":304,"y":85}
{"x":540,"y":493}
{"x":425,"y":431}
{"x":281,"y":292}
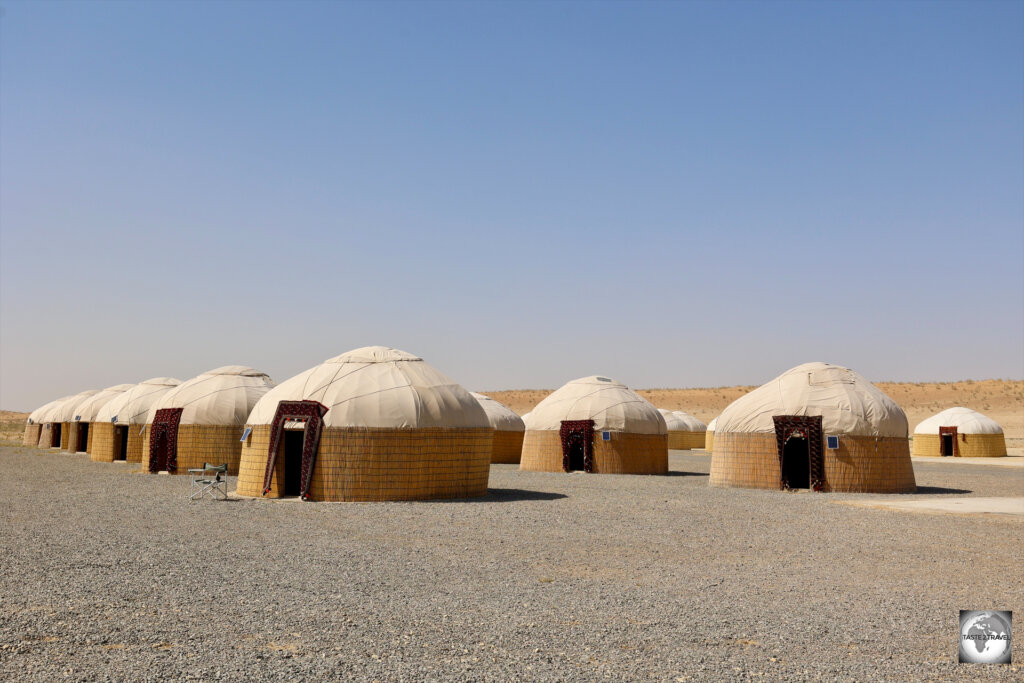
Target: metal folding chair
{"x":209,"y":480}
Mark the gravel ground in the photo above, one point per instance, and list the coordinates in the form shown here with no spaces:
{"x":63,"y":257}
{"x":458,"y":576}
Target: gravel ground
{"x":111,"y":575}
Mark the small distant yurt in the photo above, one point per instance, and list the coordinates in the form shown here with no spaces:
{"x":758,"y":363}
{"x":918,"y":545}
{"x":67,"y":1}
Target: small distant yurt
{"x":49,"y":430}
{"x":57,"y":420}
{"x":372,"y":424}
{"x":201,"y":420}
{"x":119,"y":428}
{"x":961,"y":433}
{"x":33,"y":425}
{"x":817,"y":426}
{"x":685,"y":432}
{"x":709,"y":435}
{"x":508,"y":430}
{"x":80,"y":430}
{"x":595,"y":424}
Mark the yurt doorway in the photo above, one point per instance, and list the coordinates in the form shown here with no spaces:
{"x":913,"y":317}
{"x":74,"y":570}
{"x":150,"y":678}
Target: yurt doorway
{"x":796,"y":462}
{"x":55,"y":435}
{"x":801,"y":459}
{"x":83,"y":437}
{"x":120,"y":443}
{"x":577,"y":445}
{"x":947,"y":440}
{"x":293,"y":440}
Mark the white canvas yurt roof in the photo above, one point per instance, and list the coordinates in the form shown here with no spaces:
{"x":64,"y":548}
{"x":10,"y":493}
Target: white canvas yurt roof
{"x":377,"y":386}
{"x":711,"y":425}
{"x":612,"y":406}
{"x":682,"y":421}
{"x":848,"y":403}
{"x":35,"y":417}
{"x":65,"y":410}
{"x":89,"y":408}
{"x":223,"y":396}
{"x":965,"y":420}
{"x":132,"y":406}
{"x":501,"y":416}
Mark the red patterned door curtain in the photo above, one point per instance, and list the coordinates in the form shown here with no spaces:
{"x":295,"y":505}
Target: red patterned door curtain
{"x":163,"y":440}
{"x":577,"y":434}
{"x":808,"y":427}
{"x":310,"y":412}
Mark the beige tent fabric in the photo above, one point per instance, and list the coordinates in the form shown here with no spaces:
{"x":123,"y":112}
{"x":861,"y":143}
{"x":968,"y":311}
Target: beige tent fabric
{"x":223,"y":396}
{"x":65,"y":411}
{"x":378,"y":387}
{"x":848,"y":403}
{"x":611,"y":405}
{"x":965,"y":420}
{"x":88,"y":409}
{"x":712,"y":424}
{"x":132,"y":407}
{"x":691,"y":422}
{"x":501,"y":416}
{"x":35,"y":417}
{"x":673,"y":422}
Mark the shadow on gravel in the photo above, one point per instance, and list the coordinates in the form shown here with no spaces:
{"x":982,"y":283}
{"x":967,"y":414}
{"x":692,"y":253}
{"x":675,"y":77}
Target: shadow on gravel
{"x":932,"y":490}
{"x":506,"y":496}
{"x":683,"y":474}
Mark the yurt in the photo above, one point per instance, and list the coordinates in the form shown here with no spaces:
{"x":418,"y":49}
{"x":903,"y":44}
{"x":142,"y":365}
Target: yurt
{"x":201,"y":420}
{"x":49,"y":430}
{"x":961,"y":433}
{"x":59,"y":417}
{"x":119,"y":428}
{"x":685,"y":432}
{"x":508,"y":430}
{"x":372,"y":424}
{"x":80,"y":431}
{"x":817,"y":426}
{"x":709,"y":436}
{"x":33,"y":426}
{"x":595,"y":424}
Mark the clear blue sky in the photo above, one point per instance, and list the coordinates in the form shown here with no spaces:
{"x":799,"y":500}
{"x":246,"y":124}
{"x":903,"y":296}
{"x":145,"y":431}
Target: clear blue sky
{"x":673,"y":194}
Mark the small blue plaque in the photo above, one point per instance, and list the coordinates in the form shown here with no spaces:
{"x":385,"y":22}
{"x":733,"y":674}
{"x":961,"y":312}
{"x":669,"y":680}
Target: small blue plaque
{"x":833,"y":442}
{"x":246,"y":433}
{"x":606,"y":436}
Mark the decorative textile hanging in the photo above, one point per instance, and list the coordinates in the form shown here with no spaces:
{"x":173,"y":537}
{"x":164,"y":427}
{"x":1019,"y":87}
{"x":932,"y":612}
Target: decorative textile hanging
{"x":810,"y":425}
{"x":163,"y":440}
{"x":576,"y":433}
{"x":950,"y":431}
{"x":312,"y":412}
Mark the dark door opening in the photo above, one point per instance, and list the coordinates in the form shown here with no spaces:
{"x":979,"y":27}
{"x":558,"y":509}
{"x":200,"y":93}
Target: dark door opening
{"x":293,"y":439}
{"x":947,"y":445}
{"x":159,"y":463}
{"x":577,"y":456}
{"x":120,"y":443}
{"x":796,"y":463}
{"x":83,"y":437}
{"x":55,"y":435}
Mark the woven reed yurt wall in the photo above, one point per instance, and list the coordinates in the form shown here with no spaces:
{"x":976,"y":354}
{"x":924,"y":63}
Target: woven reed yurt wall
{"x":684,"y":441}
{"x":104,"y":443}
{"x":44,"y":435}
{"x":967,"y":445}
{"x":507,"y":447}
{"x":198,"y":444}
{"x":31,"y":435}
{"x":862,"y":464}
{"x":363,"y":464}
{"x":65,"y":435}
{"x":709,"y":440}
{"x":624,"y":454}
{"x":88,"y":443}
{"x":138,"y":442}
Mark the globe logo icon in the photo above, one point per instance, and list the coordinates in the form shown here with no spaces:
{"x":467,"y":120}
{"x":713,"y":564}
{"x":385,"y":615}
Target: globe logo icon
{"x":985,"y":637}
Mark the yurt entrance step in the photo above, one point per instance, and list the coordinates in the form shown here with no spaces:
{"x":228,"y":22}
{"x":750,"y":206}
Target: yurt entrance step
{"x":801,"y":459}
{"x":293,"y":440}
{"x":120,"y":443}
